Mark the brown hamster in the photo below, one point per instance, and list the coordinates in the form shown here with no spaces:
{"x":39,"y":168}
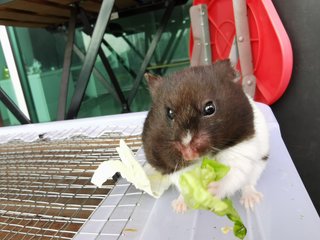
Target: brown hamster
{"x":202,"y":102}
{"x":202,"y":111}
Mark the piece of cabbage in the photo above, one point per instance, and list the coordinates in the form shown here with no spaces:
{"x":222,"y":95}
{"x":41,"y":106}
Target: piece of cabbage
{"x":194,"y":188}
{"x":145,"y":177}
{"x":193,"y":183}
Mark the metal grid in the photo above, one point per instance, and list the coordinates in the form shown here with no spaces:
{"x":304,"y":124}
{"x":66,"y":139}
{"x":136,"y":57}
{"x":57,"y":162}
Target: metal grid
{"x":45,"y":189}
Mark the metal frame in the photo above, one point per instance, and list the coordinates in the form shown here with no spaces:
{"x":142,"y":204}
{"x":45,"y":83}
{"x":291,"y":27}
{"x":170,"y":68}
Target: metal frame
{"x":97,"y":74}
{"x":171,"y":48}
{"x":13,"y":108}
{"x":83,"y":80}
{"x":16,"y":49}
{"x":114,"y":80}
{"x":152,"y":47}
{"x":241,"y":47}
{"x":94,"y":49}
{"x":119,"y":58}
{"x":88,"y":30}
{"x":139,"y":54}
{"x":22,"y":113}
{"x":66,"y":66}
{"x":244,"y":46}
{"x":97,"y":35}
{"x":201,"y":53}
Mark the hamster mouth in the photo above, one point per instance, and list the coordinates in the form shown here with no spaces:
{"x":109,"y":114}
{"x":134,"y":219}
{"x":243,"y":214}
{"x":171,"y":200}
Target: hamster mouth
{"x":189,"y":153}
{"x":192,"y":147}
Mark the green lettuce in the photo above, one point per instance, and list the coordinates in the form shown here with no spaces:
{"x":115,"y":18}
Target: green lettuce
{"x":194,"y":188}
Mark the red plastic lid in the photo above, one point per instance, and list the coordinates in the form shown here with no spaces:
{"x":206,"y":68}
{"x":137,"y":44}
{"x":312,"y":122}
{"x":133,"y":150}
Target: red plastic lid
{"x":271,"y":47}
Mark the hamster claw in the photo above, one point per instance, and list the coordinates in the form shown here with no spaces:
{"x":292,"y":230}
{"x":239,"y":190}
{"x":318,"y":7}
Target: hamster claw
{"x":250,"y":197}
{"x":179,"y":205}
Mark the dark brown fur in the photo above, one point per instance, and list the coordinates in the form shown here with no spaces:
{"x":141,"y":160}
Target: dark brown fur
{"x":187,"y":92}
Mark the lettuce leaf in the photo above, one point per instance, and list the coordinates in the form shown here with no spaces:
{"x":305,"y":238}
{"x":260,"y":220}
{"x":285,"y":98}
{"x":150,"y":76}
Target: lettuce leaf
{"x":145,"y":177}
{"x":194,"y":184}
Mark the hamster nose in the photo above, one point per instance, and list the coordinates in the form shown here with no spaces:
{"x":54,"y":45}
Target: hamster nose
{"x":188,"y":152}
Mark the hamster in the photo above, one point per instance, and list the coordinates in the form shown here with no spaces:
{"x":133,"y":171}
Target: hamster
{"x":203,"y":111}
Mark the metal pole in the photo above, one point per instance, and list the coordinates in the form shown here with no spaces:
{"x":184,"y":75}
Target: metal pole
{"x":113,"y":78}
{"x":153,"y":45}
{"x":201,"y":52}
{"x":16,"y":50}
{"x":13,"y":108}
{"x":97,"y":74}
{"x":244,"y":46}
{"x":98,"y":32}
{"x":120,"y":59}
{"x":66,"y":67}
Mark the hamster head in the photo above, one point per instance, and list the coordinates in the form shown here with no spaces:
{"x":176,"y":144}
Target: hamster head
{"x":195,"y":112}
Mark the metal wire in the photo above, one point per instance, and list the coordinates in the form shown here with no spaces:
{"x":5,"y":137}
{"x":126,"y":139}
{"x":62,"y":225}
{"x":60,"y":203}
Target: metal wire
{"x":45,"y":189}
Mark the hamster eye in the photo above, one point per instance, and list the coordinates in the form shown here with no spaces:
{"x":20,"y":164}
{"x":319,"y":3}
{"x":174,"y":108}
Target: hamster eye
{"x":170,"y":113}
{"x":209,"y":109}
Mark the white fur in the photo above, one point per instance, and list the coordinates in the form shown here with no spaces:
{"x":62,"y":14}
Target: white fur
{"x":187,"y":139}
{"x":244,"y":159}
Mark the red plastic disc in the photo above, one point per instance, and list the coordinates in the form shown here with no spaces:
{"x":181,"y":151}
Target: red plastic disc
{"x":270,"y":44}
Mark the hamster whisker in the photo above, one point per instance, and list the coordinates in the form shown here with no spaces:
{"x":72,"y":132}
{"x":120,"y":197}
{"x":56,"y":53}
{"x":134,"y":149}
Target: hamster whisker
{"x":215,"y":149}
{"x":176,"y":167}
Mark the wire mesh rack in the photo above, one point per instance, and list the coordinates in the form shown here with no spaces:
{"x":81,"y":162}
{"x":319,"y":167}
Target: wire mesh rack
{"x":45,"y":189}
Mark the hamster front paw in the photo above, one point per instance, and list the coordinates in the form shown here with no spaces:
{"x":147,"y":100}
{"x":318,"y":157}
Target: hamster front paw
{"x":250,"y":197}
{"x":179,"y":205}
{"x":214,"y":189}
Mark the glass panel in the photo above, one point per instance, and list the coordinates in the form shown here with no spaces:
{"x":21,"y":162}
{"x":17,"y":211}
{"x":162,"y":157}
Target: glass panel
{"x":42,"y":53}
{"x":128,"y":40}
{"x":6,"y":117}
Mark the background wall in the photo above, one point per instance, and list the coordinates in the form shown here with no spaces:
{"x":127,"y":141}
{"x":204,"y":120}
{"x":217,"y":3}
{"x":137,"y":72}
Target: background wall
{"x":298,"y":111}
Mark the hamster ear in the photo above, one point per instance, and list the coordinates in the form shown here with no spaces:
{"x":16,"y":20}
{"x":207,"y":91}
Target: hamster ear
{"x":225,"y":68}
{"x":154,"y":82}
